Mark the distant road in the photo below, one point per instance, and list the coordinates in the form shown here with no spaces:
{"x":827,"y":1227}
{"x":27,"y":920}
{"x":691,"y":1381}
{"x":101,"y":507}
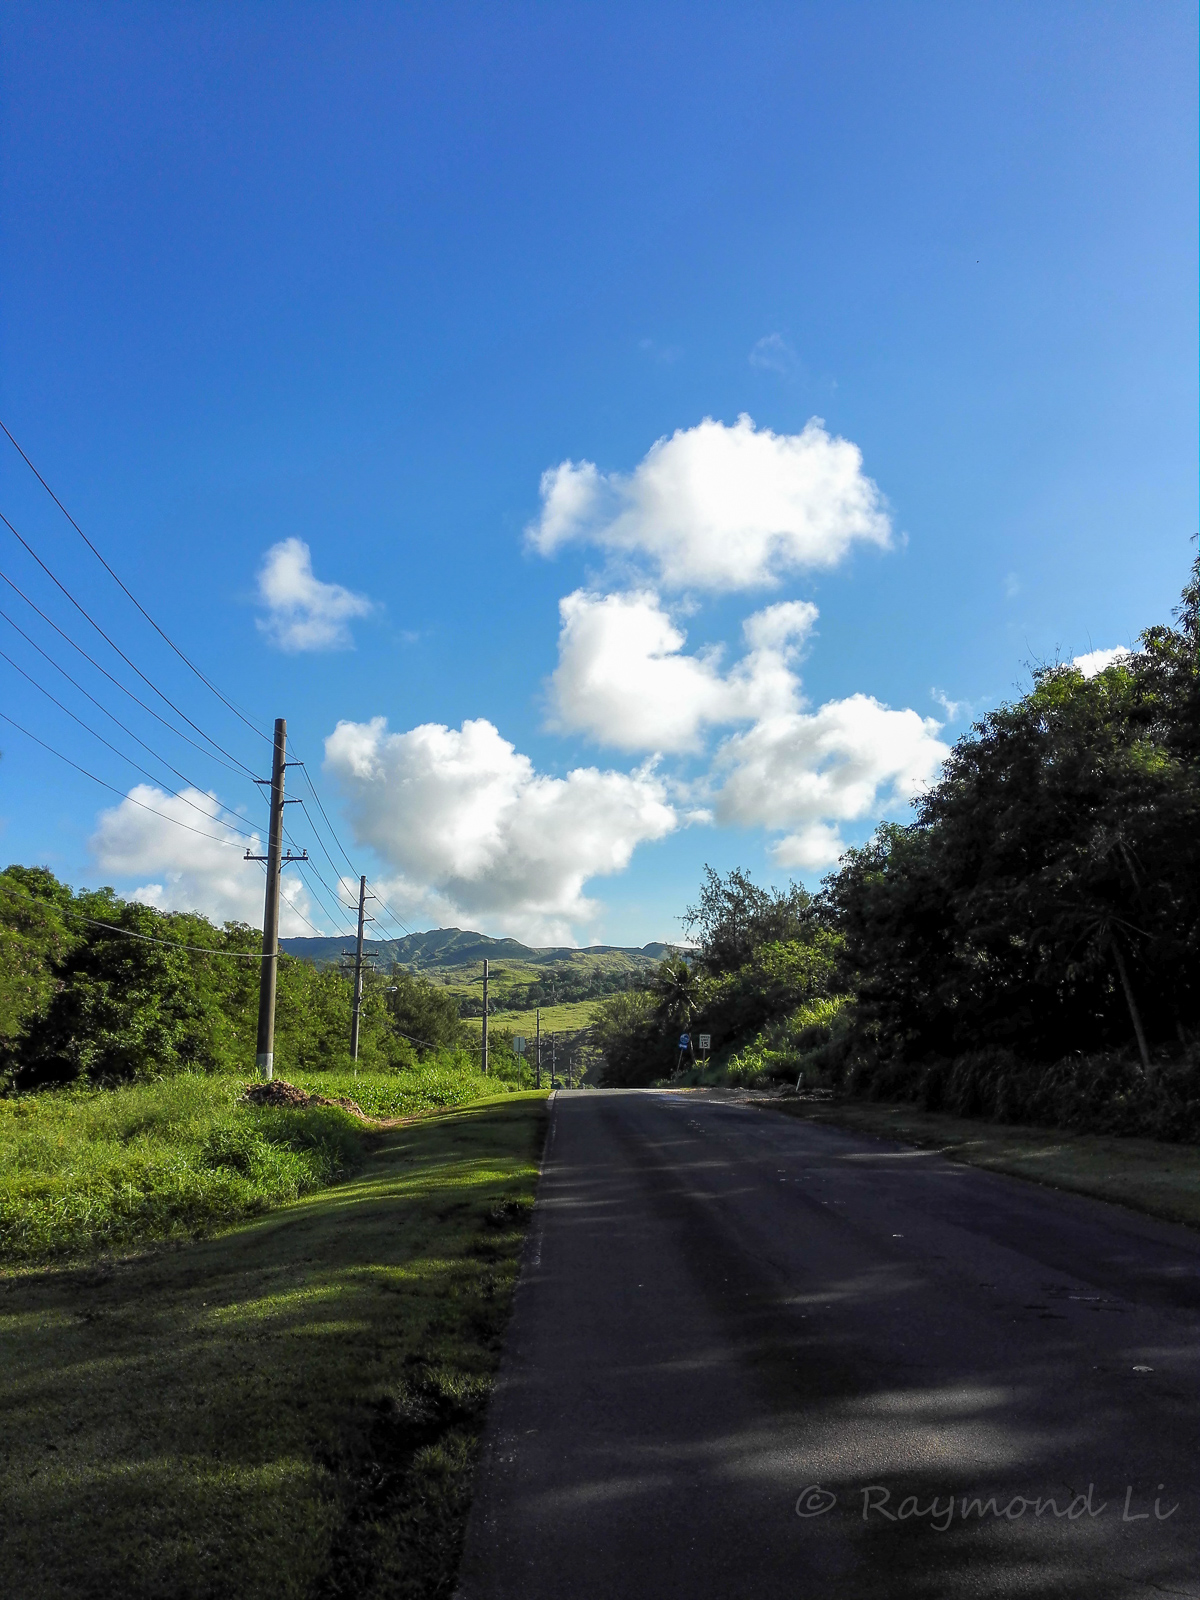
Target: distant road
{"x":728,"y":1316}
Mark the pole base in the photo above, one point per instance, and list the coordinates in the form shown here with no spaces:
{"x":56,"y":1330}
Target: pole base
{"x":265,"y":1062}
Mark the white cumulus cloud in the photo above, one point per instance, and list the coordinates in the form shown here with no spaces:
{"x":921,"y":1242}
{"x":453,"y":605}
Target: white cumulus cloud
{"x":623,"y":679}
{"x":471,"y":828}
{"x":1095,"y":661}
{"x":803,"y":773}
{"x":720,"y":508}
{"x":303,"y":613}
{"x":187,"y":871}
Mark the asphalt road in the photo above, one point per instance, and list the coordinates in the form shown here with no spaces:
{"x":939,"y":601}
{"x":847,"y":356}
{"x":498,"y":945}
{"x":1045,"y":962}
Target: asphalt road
{"x":723,"y":1307}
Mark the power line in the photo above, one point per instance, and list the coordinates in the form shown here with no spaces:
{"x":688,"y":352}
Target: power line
{"x":467,"y":1049}
{"x":112,"y":788}
{"x":238,"y":771}
{"x":333,"y":866}
{"x":178,"y":652}
{"x":113,"y":645}
{"x":133,"y":598}
{"x":316,"y":834}
{"x":340,"y":932}
{"x":175,"y":794}
{"x":332,"y":831}
{"x":334,"y":891}
{"x":292,"y":906}
{"x":317,"y":873}
{"x":54,"y":701}
{"x":403,"y":926}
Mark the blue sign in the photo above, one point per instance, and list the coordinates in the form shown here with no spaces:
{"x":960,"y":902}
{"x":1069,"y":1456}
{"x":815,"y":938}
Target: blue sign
{"x":685,"y":1040}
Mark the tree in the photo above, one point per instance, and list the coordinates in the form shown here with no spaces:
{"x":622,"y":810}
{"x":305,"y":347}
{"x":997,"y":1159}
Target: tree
{"x":1047,"y":897}
{"x":426,"y":1013}
{"x":733,"y":917}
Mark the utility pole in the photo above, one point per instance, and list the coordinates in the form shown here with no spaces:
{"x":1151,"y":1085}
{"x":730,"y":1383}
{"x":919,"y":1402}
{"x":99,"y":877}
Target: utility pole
{"x":485,"y":1016}
{"x":363,"y":897}
{"x":265,"y":1050}
{"x":553,"y":1056}
{"x":538,"y":1017}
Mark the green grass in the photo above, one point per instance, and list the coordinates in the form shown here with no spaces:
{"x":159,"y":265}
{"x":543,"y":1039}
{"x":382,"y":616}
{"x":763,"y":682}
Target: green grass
{"x":404,"y":1094}
{"x":289,"y":1409}
{"x":89,"y":1169}
{"x":569,"y":1018}
{"x":103,"y":1169}
{"x":1162,"y":1180}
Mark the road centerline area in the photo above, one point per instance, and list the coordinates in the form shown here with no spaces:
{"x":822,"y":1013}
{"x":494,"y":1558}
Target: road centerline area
{"x":754,"y":1356}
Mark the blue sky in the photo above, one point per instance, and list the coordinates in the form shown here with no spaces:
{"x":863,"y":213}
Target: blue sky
{"x":358,"y":277}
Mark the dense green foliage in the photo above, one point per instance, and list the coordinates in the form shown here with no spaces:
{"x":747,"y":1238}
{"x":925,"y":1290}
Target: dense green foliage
{"x":126,"y":1037}
{"x":1048,"y":895}
{"x":1027,"y":948}
{"x":1043,"y":910}
{"x":95,"y":989}
{"x":762,"y":959}
{"x":423,"y":1013}
{"x":85,"y":1169}
{"x":569,"y":983}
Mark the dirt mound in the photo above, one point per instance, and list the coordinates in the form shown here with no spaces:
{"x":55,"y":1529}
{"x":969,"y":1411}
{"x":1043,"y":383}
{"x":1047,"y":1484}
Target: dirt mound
{"x":278,"y":1092}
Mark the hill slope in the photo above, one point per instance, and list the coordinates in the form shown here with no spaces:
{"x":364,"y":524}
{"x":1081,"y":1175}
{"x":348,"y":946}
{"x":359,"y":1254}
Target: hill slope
{"x":443,"y":949}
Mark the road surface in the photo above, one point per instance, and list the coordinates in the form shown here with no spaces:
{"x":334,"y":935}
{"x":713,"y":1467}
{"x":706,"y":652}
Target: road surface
{"x":752,"y":1356}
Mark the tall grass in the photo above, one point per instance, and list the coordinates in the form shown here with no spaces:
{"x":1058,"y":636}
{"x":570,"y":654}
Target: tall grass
{"x":445,"y":1080}
{"x":89,"y":1169}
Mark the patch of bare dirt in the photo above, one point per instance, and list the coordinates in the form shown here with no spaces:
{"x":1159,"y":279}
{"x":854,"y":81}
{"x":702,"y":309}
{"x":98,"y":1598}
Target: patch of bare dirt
{"x":279,"y":1092}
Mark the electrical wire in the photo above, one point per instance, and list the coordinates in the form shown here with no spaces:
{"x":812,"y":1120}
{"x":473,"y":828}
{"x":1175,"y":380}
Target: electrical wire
{"x":339,"y":931}
{"x":99,"y":704}
{"x":333,"y":833}
{"x":467,"y":1049}
{"x":403,"y":926}
{"x":182,"y":656}
{"x":292,"y":906}
{"x":336,"y":892}
{"x":316,"y":872}
{"x":112,"y":788}
{"x":113,"y":645}
{"x":129,"y":595}
{"x":332,"y":830}
{"x":129,"y":759}
{"x":238,"y":771}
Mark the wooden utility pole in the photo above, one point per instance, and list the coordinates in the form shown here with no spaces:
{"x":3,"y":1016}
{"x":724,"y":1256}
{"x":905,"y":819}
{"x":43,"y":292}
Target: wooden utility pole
{"x":538,"y":1017}
{"x":356,"y":1009}
{"x":485,"y":1016}
{"x":265,"y":1050}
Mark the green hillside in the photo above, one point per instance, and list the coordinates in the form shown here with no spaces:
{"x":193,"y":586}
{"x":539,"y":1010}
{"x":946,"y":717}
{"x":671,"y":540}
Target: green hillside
{"x":562,"y":982}
{"x":569,"y":1018}
{"x":442,"y":949}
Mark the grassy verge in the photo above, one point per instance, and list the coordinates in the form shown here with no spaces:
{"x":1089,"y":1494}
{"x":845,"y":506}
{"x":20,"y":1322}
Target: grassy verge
{"x":83,"y":1170}
{"x":289,"y":1409}
{"x":1163,"y":1180}
{"x":430,"y":1087}
{"x":92,"y":1169}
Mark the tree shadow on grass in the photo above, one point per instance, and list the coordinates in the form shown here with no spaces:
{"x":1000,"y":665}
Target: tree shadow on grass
{"x":289,"y":1408}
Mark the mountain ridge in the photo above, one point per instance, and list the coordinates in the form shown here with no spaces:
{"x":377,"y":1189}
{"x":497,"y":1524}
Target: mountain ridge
{"x":454,"y":947}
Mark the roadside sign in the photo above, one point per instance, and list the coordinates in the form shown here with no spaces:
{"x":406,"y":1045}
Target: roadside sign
{"x":685,"y":1040}
{"x":706,"y":1041}
{"x":518,"y":1044}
